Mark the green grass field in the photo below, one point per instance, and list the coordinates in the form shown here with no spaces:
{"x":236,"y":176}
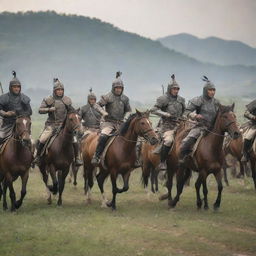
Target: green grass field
{"x":141,"y":225}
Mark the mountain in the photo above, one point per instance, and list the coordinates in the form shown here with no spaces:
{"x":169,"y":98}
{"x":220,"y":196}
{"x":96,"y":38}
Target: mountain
{"x":212,"y":49}
{"x":84,"y":52}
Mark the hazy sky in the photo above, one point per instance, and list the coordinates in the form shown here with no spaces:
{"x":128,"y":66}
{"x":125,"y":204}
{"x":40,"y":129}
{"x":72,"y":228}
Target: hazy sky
{"x":228,"y":19}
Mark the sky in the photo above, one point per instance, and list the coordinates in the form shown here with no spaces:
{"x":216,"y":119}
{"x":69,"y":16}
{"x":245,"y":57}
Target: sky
{"x":227,"y":19}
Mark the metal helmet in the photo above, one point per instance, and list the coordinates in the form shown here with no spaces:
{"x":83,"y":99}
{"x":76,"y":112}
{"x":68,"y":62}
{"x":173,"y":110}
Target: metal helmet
{"x":14,"y":81}
{"x":172,"y":84}
{"x":91,"y":95}
{"x":208,"y":85}
{"x":118,"y":81}
{"x":57,"y":84}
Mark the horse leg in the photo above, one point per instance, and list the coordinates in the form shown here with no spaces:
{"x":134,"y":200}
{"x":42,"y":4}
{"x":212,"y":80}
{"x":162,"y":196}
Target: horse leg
{"x":218,"y":178}
{"x":5,"y":206}
{"x":54,"y":187}
{"x":156,"y":179}
{"x":253,"y":169}
{"x":169,"y":185}
{"x":88,"y":181}
{"x":12,"y":192}
{"x":181,"y":179}
{"x":101,"y":176}
{"x":24,"y":180}
{"x":75,"y":171}
{"x":205,"y":191}
{"x":61,"y":182}
{"x":241,"y":172}
{"x":45,"y":180}
{"x":225,"y":174}
{"x":198,"y":186}
{"x":126,"y":178}
{"x":115,"y":190}
{"x":152,"y":179}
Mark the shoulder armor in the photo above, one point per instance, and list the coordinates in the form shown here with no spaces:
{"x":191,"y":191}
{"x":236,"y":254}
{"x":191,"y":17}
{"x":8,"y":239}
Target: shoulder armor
{"x":197,"y":101}
{"x":66,"y":100}
{"x":25,"y":99}
{"x":49,"y":100}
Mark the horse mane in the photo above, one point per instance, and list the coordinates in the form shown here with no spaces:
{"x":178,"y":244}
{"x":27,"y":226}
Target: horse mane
{"x":124,"y":127}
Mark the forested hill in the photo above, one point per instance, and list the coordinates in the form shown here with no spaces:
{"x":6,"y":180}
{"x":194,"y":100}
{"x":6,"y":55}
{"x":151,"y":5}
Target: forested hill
{"x":85,"y":52}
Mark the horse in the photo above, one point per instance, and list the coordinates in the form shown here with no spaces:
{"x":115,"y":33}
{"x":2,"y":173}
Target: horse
{"x":252,"y":160}
{"x":15,"y":161}
{"x":60,"y":155}
{"x":120,"y":156}
{"x":208,"y":157}
{"x":150,"y":161}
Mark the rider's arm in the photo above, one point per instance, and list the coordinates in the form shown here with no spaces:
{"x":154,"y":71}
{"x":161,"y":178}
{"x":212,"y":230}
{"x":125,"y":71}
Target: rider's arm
{"x":100,"y":109}
{"x":157,"y":109}
{"x":249,"y":115}
{"x":44,"y":108}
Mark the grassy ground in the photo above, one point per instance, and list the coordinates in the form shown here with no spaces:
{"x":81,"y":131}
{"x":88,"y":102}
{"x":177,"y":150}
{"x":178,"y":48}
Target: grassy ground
{"x":140,"y":226}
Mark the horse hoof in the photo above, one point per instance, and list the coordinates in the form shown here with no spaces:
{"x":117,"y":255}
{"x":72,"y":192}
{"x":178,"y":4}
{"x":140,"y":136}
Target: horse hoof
{"x":75,"y":183}
{"x":17,"y":204}
{"x":216,"y":207}
{"x":199,"y":205}
{"x":206,"y":207}
{"x":163,"y":197}
{"x":59,"y":203}
{"x":109,"y":204}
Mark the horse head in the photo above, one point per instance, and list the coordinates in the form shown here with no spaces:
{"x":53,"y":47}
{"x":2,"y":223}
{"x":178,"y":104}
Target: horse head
{"x":228,"y":121}
{"x":23,"y":129}
{"x":143,"y":127}
{"x":73,"y":122}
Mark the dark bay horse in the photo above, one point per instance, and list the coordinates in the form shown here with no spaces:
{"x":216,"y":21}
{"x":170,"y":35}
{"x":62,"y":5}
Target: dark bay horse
{"x":60,"y":156}
{"x":209,"y":157}
{"x":121,"y":156}
{"x":15,"y":161}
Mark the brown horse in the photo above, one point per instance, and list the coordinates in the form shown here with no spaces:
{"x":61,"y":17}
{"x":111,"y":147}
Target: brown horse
{"x":235,"y":149}
{"x":15,"y":161}
{"x":150,"y":161}
{"x":120,"y":157}
{"x":60,"y":156}
{"x":209,"y":157}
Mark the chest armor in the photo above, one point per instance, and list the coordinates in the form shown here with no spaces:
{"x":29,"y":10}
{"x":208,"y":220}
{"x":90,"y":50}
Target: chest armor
{"x":116,"y":108}
{"x":175,"y":108}
{"x":60,"y":111}
{"x":91,"y":118}
{"x":208,"y":110}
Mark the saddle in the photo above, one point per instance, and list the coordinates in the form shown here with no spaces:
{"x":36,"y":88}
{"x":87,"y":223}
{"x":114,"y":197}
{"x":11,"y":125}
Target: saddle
{"x":109,"y":142}
{"x":49,"y":143}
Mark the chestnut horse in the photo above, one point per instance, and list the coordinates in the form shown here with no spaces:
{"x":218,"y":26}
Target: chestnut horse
{"x":120,"y":157}
{"x":60,"y":155}
{"x":209,"y":157}
{"x":15,"y":161}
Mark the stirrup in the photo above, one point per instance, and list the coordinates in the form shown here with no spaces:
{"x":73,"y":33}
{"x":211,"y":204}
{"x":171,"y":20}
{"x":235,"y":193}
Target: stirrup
{"x":78,"y":162}
{"x":95,"y":161}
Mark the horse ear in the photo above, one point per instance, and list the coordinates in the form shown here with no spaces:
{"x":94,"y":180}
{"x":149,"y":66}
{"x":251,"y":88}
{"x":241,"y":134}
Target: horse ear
{"x":147,"y":113}
{"x":233,"y":106}
{"x":138,"y":112}
{"x":77,"y":110}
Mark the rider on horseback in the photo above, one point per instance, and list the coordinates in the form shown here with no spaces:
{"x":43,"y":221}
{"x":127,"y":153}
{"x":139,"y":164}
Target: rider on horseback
{"x":170,"y":107}
{"x":91,"y":114}
{"x":55,"y":106}
{"x":12,"y":104}
{"x":203,"y":109}
{"x":117,"y":106}
{"x":250,"y":133}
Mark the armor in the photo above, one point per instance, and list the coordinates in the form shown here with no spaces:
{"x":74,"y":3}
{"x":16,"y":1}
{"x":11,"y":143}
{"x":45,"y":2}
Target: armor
{"x":19,"y":104}
{"x":91,"y":115}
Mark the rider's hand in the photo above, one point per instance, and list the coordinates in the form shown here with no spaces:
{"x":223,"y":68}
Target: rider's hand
{"x":167,"y":115}
{"x":105,"y":114}
{"x":51,"y":109}
{"x":199,"y":117}
{"x":10,"y":113}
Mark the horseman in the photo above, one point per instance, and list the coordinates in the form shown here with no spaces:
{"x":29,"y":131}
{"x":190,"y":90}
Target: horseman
{"x":55,"y":106}
{"x":117,"y":106}
{"x":12,"y":104}
{"x":91,"y":114}
{"x":202,"y":109}
{"x":169,"y":107}
{"x":250,"y":133}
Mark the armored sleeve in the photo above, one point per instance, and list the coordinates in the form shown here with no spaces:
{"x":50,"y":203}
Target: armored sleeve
{"x":193,"y":108}
{"x":3,"y":102}
{"x":103,"y":100}
{"x":127,"y":107}
{"x":158,"y":107}
{"x":26,"y":105}
{"x":44,"y":107}
{"x":249,"y":115}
